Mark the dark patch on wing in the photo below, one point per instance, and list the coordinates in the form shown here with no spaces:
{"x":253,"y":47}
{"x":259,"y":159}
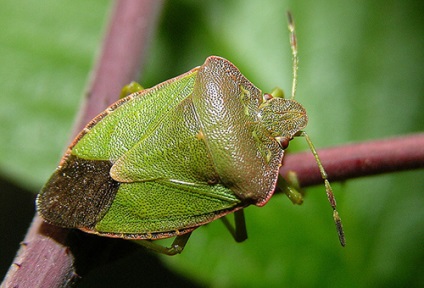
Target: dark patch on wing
{"x":78,"y":194}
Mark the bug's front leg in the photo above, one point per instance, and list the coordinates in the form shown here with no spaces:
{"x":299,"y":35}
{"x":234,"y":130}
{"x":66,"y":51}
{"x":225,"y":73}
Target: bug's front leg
{"x":291,"y":187}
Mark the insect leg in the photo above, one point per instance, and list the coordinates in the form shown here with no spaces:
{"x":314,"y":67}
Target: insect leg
{"x":176,"y":248}
{"x":239,"y":233}
{"x":130,"y":88}
{"x":291,"y":187}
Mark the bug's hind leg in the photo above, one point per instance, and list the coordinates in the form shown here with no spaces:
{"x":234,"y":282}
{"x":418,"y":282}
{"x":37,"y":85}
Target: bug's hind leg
{"x":176,"y":247}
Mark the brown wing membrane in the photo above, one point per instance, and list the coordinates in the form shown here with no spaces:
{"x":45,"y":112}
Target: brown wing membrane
{"x":78,"y":194}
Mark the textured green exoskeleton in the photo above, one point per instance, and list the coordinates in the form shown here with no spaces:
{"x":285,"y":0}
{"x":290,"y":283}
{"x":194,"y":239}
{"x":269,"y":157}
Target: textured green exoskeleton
{"x":166,"y":160}
{"x":163,"y":161}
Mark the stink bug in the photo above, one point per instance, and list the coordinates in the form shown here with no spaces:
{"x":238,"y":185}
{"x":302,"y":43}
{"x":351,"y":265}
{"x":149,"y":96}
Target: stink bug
{"x":163,"y":161}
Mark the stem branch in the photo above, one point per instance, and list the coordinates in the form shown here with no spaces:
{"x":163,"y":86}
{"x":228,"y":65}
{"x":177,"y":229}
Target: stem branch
{"x":45,"y":259}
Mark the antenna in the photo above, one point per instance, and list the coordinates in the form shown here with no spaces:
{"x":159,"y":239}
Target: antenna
{"x":328,"y":189}
{"x":293,"y":45}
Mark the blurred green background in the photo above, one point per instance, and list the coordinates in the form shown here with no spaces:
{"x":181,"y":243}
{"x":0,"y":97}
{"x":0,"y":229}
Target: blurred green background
{"x":360,"y":78}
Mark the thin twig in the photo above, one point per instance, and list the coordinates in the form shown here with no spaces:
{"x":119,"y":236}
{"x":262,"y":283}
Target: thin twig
{"x":44,"y":259}
{"x":358,"y":160}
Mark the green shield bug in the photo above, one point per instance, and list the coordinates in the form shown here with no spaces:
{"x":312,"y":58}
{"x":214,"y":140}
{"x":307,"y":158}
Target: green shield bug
{"x":163,"y":161}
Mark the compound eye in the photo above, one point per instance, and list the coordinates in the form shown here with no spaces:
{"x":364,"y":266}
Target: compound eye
{"x":267,"y":97}
{"x":283,"y":141}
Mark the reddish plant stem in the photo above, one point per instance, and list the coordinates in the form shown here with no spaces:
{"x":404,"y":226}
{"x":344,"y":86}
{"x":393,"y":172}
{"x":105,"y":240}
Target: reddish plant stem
{"x":357,"y":160}
{"x":122,"y":56}
{"x":44,"y":259}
